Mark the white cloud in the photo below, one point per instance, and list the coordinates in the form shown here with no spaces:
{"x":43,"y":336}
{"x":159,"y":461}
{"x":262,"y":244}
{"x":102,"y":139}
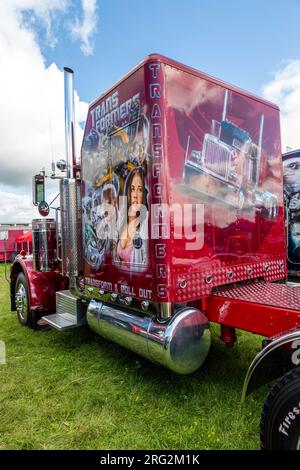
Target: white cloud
{"x":17,"y":208}
{"x":45,"y":11}
{"x":87,"y":28}
{"x":284,"y":90}
{"x":32,"y":105}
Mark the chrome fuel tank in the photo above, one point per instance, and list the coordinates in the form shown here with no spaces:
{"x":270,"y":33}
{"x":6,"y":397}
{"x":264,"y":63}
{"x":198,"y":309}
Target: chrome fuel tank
{"x":181,"y":343}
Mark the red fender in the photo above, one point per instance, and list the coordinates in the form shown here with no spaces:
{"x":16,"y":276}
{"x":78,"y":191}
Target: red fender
{"x":280,"y":354}
{"x":42,"y":285}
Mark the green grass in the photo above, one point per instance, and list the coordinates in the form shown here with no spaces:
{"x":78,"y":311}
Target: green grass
{"x":74,"y":390}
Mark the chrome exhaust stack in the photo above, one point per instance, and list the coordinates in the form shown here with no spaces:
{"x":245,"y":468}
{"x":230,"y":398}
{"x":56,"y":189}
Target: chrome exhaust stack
{"x":70,"y":197}
{"x":69,"y":122}
{"x":181,"y":343}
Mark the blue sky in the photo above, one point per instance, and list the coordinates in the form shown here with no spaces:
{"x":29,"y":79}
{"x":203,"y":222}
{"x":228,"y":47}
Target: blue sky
{"x":242,"y":42}
{"x":251,"y":44}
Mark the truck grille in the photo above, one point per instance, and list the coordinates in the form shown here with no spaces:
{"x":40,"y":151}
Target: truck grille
{"x":216,"y":157}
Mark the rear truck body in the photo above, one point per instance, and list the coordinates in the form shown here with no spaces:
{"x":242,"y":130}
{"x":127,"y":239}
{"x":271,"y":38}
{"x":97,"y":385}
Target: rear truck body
{"x":173,"y":219}
{"x":291,"y":187}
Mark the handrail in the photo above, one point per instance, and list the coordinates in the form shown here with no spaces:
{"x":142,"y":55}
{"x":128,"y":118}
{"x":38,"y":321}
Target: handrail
{"x":57,"y":237}
{"x":5,"y":263}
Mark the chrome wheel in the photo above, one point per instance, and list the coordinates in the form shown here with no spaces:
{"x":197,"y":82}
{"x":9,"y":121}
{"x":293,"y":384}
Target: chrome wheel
{"x":22,"y":303}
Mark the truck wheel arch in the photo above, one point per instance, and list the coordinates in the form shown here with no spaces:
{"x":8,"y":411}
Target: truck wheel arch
{"x":41,"y":287}
{"x":281,"y":354}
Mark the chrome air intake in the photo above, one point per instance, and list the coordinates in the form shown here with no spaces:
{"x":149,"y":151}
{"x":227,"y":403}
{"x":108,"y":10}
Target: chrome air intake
{"x":180,"y":344}
{"x":71,"y":228}
{"x":44,"y":244}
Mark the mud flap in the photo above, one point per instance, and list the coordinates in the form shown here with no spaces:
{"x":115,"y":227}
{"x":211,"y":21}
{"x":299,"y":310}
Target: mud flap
{"x":280,"y":354}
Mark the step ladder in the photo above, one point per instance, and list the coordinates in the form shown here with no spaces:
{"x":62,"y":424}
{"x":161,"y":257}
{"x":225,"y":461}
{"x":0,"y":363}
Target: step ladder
{"x":70,"y":312}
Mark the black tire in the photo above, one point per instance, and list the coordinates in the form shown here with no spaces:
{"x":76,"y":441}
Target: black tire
{"x":280,"y":420}
{"x":22,"y":301}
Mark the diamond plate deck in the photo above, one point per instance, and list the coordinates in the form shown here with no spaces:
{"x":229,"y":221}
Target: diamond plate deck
{"x":275,"y":295}
{"x":197,"y":285}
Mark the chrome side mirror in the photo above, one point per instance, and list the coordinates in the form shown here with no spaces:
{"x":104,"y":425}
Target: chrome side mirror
{"x":61,"y":165}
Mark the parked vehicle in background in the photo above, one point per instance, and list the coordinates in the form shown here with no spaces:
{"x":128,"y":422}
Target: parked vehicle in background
{"x":9,"y":235}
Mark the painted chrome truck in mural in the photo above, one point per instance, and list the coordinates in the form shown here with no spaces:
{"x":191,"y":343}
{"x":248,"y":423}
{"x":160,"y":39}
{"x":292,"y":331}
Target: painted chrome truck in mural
{"x":229,"y":164}
{"x":173,"y":218}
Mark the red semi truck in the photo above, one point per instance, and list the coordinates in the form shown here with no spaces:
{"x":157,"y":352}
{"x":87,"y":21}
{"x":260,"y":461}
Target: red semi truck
{"x":172,"y":219}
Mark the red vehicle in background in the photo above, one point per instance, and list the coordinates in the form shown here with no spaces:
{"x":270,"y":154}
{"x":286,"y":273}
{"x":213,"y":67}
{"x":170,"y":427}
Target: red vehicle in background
{"x":10,"y":238}
{"x":173,"y":218}
{"x":24,"y":242}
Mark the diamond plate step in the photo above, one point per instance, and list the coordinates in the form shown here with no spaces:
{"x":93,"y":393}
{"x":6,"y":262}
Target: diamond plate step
{"x":61,"y":321}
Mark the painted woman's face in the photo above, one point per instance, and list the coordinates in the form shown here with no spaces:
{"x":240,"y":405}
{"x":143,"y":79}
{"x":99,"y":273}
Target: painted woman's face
{"x":136,"y":192}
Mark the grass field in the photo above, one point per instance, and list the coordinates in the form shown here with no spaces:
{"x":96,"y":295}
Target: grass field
{"x":74,"y":390}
